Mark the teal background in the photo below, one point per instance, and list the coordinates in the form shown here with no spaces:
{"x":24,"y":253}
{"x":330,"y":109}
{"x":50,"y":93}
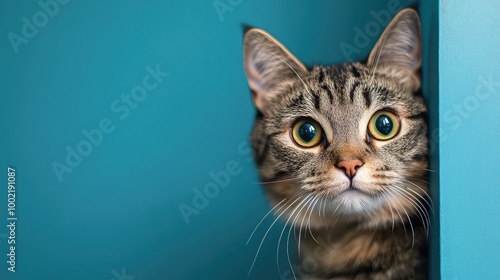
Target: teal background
{"x":119,"y":208}
{"x":469,"y":155}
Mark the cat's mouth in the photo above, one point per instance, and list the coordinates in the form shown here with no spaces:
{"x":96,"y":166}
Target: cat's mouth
{"x":352,"y":189}
{"x":352,"y":199}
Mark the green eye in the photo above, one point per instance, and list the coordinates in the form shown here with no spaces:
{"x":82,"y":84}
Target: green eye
{"x":384,"y":125}
{"x":307,"y":133}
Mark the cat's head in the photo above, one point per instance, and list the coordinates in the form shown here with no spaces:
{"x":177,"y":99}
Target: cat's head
{"x":348,"y":139}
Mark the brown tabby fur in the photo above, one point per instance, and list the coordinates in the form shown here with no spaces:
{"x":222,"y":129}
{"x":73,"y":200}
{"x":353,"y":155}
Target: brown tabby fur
{"x":378,"y":231}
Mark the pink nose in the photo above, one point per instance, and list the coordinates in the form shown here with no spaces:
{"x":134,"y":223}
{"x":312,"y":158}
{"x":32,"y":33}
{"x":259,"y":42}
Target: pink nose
{"x":350,"y":166}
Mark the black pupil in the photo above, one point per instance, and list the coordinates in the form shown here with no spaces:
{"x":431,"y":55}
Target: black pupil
{"x":384,"y":124}
{"x":307,"y":132}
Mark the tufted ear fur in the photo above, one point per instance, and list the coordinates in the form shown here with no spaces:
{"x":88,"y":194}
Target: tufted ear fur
{"x":267,"y":64}
{"x":399,"y":49}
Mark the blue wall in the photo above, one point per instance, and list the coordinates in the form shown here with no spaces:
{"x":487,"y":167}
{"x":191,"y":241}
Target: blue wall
{"x":469,"y":103}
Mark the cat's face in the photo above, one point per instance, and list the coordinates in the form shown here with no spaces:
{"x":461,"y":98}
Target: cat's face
{"x":348,"y":140}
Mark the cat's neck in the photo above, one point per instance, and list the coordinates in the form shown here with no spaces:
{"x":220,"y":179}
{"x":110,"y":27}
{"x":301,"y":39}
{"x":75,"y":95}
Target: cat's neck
{"x":352,"y":246}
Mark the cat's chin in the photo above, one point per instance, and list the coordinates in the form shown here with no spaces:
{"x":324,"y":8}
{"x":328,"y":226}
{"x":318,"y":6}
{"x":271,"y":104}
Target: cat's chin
{"x":354,"y":202}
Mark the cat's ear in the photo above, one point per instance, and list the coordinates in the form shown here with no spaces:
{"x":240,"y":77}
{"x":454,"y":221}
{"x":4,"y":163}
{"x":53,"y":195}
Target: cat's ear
{"x":400,"y":49}
{"x":267,"y":64}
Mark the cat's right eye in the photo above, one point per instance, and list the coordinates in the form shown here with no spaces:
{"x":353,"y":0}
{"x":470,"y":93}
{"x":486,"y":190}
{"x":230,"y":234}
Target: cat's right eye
{"x":307,"y":133}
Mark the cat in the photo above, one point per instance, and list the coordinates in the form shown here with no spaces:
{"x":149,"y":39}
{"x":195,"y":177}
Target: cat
{"x":342,"y":153}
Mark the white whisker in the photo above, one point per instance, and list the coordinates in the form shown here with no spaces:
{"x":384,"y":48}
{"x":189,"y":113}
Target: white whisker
{"x":304,"y":201}
{"x":397,"y":211}
{"x":277,"y":181}
{"x":426,"y":194}
{"x":269,"y":212}
{"x":309,"y":221}
{"x":420,"y":208}
{"x":288,"y":238}
{"x":390,"y":208}
{"x":409,"y":220}
{"x":267,"y":232}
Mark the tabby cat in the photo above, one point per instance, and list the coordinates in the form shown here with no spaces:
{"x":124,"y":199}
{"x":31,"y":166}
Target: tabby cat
{"x":342,"y":153}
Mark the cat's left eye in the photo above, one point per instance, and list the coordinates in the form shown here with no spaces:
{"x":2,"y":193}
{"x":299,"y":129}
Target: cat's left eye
{"x":384,"y":125}
{"x":307,"y":133}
